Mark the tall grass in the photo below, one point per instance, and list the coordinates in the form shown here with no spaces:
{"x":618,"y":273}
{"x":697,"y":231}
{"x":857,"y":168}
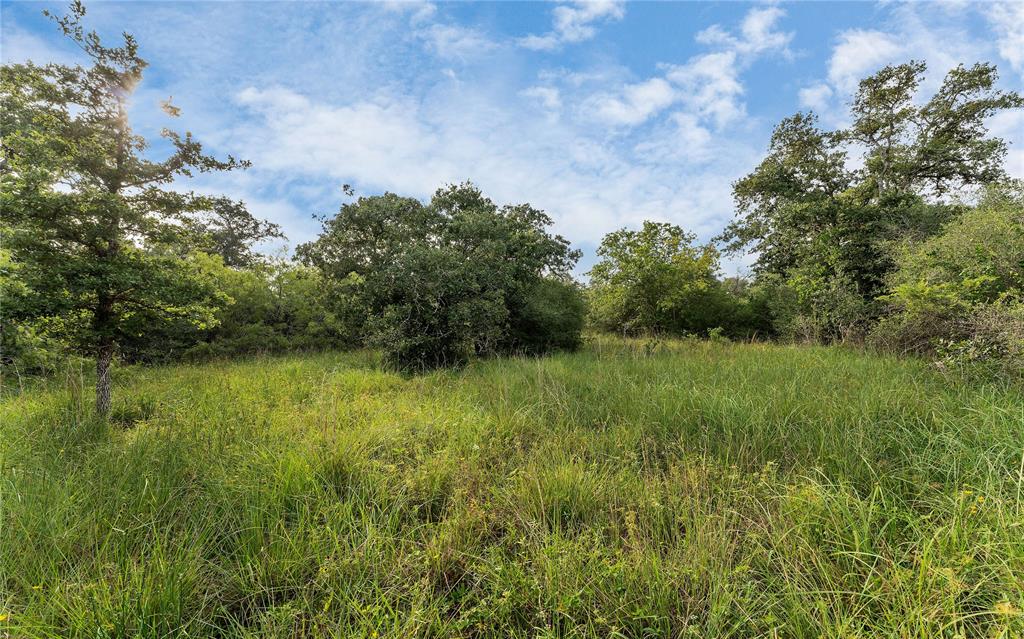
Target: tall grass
{"x":632,"y":489}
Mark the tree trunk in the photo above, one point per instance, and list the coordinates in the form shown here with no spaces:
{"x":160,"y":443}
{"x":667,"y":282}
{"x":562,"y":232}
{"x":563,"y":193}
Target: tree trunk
{"x":104,"y":356}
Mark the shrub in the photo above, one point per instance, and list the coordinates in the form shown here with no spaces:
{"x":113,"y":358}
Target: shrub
{"x":451,"y":279}
{"x":551,"y":317}
{"x":959,"y":295}
{"x":654,"y":280}
{"x":992,"y":344}
{"x":277,"y":305}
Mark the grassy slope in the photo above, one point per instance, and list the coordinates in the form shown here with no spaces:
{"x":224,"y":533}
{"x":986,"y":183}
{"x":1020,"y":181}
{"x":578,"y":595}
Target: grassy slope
{"x":693,"y":490}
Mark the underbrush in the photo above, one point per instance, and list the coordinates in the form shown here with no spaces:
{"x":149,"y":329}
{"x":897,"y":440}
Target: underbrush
{"x":682,"y":489}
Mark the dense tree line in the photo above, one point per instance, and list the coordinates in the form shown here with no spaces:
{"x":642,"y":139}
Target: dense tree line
{"x":901,"y":230}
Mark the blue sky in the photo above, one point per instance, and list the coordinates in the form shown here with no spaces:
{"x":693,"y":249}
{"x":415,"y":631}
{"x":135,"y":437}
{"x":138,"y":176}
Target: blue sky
{"x":604,"y":114}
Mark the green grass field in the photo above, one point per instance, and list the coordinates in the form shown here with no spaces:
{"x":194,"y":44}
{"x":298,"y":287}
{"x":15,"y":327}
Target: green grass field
{"x":685,"y":489}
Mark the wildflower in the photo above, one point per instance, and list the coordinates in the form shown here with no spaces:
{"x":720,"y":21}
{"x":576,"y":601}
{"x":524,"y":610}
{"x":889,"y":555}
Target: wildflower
{"x":1005,"y":608}
{"x":4,"y":617}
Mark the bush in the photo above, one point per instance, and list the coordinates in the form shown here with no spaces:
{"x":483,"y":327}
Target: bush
{"x":551,"y":317}
{"x":277,"y":305}
{"x":992,"y":344}
{"x":271,"y":306}
{"x":451,"y":279}
{"x":26,"y":346}
{"x":959,"y":295}
{"x":655,"y":280}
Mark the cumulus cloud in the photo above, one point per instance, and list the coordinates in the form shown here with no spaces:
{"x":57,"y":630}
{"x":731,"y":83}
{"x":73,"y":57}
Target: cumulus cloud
{"x":941,"y":39}
{"x":757,"y":33}
{"x":707,"y":85}
{"x":588,"y":184}
{"x":816,"y":97}
{"x":574,"y":22}
{"x":860,"y":52}
{"x":682,"y":139}
{"x":635,"y":102}
{"x":1007,"y":20}
{"x":938,"y":35}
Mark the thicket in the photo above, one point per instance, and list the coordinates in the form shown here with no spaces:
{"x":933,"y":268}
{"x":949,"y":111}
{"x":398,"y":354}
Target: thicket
{"x":102,"y":259}
{"x":901,"y":229}
{"x":456,"y":277}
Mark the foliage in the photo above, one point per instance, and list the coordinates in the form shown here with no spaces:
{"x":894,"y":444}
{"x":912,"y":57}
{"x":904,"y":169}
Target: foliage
{"x":278,"y":306}
{"x":88,"y":211}
{"x":25,"y":346}
{"x":653,"y":280}
{"x":227,"y":228}
{"x":696,"y":490}
{"x":446,"y":280}
{"x":961,"y":292}
{"x":272,"y":306}
{"x":977,"y":258}
{"x":550,"y":317}
{"x":827,"y":230}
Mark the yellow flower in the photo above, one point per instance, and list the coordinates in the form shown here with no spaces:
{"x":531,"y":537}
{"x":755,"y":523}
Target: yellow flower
{"x":4,"y":617}
{"x":1005,"y":608}
{"x":37,"y":588}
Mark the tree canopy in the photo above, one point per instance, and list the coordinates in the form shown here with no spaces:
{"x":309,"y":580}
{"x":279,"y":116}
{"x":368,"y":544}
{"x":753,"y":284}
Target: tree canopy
{"x":455,"y":277}
{"x":653,"y":280}
{"x":824,"y":209}
{"x":86,"y":212}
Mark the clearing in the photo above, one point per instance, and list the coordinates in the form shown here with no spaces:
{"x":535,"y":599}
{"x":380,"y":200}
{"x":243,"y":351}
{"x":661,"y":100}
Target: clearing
{"x":632,"y":489}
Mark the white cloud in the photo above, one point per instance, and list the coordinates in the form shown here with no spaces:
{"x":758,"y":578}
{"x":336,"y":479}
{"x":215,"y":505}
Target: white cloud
{"x":859,"y":53}
{"x":683,"y":139}
{"x":22,"y":46}
{"x":365,"y":140}
{"x":937,"y":34}
{"x":710,"y":87}
{"x":590,"y":185}
{"x":574,"y":23}
{"x":635,"y":104}
{"x":942,"y":40}
{"x":549,"y":97}
{"x":757,"y":33}
{"x":707,"y":85}
{"x":452,"y":41}
{"x":418,"y":10}
{"x":1009,"y":125}
{"x":1007,"y":21}
{"x":816,"y":97}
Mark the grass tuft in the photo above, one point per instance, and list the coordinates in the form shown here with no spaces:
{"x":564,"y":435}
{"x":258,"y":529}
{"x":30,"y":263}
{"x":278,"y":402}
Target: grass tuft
{"x":689,"y":490}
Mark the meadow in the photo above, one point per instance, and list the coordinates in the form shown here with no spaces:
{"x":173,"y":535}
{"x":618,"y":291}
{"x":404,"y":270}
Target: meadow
{"x":631,"y":489}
